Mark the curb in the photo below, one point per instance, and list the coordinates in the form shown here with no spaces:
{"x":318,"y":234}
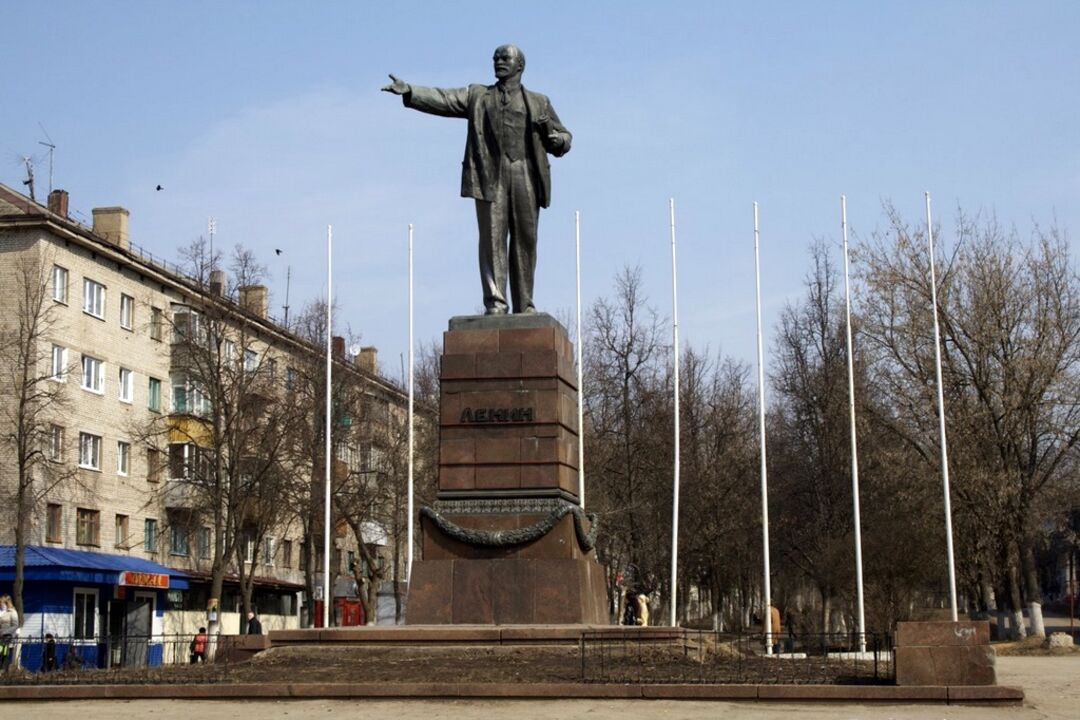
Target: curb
{"x":988,"y":694}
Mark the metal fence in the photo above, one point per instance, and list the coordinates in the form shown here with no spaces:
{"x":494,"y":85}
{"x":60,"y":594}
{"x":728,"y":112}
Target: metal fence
{"x":700,"y":656}
{"x":37,"y":655}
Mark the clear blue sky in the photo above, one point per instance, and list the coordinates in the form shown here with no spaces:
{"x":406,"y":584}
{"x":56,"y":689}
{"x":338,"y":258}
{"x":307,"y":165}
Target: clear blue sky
{"x":268,"y":117}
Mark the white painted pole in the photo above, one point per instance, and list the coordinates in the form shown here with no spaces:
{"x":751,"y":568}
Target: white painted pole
{"x":767,"y":590}
{"x":409,"y":524}
{"x":675,"y":353}
{"x":941,"y":415}
{"x":580,"y":370}
{"x":327,"y":589}
{"x":854,"y":442}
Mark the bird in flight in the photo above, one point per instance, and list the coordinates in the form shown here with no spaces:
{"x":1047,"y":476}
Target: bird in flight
{"x":160,"y":188}
{"x":277,"y":250}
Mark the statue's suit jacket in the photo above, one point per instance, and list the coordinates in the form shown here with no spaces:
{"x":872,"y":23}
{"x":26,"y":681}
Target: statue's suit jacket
{"x":480,"y":168}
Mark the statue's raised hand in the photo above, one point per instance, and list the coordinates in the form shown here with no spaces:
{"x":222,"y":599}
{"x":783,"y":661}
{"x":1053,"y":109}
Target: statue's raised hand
{"x":398,"y":87}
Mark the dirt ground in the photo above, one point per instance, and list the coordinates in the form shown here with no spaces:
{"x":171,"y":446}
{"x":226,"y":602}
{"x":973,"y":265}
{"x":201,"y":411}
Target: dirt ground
{"x":1052,"y":686}
{"x":524,"y":664}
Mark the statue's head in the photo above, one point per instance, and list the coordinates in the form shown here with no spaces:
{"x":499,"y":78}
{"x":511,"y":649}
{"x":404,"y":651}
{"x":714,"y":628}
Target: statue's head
{"x":509,"y":61}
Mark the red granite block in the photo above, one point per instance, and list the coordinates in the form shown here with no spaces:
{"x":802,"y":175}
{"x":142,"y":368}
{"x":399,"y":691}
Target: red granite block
{"x":498,"y":365}
{"x":498,"y":477}
{"x":470,"y":341}
{"x":540,"y":363}
{"x":539,"y":476}
{"x":449,"y":409}
{"x":457,"y":477}
{"x":430,"y":592}
{"x":457,"y":452}
{"x":498,"y":450}
{"x":568,"y":479}
{"x":527,"y":339}
{"x":964,"y":632}
{"x":557,"y":591}
{"x":525,"y":383}
{"x":567,"y":371}
{"x":472,"y":593}
{"x":458,"y":367}
{"x":997,"y":694}
{"x":945,"y":665}
{"x":539,"y":449}
{"x":513,"y":592}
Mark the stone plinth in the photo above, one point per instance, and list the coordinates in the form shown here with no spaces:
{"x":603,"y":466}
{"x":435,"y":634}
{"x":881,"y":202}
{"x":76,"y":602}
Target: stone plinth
{"x":944,"y":653}
{"x":506,"y":541}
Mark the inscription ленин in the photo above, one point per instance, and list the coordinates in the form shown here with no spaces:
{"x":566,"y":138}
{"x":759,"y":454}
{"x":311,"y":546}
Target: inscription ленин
{"x":497,"y":415}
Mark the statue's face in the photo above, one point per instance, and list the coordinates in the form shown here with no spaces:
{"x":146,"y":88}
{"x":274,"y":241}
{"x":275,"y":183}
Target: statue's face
{"x":507,"y":61}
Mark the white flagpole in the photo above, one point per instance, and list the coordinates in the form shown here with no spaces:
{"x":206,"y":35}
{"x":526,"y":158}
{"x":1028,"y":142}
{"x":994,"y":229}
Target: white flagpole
{"x":675,"y":499}
{"x":409,"y":530}
{"x":580,"y":372}
{"x":854,"y":443}
{"x":761,"y":438}
{"x":941,"y":415}
{"x":327,"y":589}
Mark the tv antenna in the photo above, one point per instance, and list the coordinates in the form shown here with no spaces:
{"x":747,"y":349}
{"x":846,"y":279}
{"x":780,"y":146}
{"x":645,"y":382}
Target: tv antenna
{"x":29,"y":181}
{"x":52,"y":147}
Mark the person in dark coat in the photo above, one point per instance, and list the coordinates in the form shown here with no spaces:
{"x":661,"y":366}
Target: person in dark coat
{"x":254,"y":627}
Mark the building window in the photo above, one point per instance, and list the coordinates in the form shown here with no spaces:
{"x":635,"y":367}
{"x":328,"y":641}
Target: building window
{"x":127,"y":385}
{"x":150,"y":535}
{"x":55,"y":447}
{"x":59,"y":363}
{"x":153,"y":398}
{"x":85,"y":614}
{"x":93,"y":298}
{"x":268,"y":552}
{"x":271,"y":370}
{"x":229,"y":353}
{"x":54,"y":523}
{"x":202,"y":542}
{"x":286,"y":553}
{"x":154,"y":463}
{"x":156,"y":320}
{"x":249,"y":549}
{"x":251,"y":361}
{"x":183,"y":461}
{"x":127,"y":311}
{"x":301,"y":562}
{"x":89,"y":451}
{"x":290,"y":379}
{"x":60,"y":284}
{"x":87,"y":527}
{"x":121,"y":537}
{"x":178,"y":540}
{"x":93,"y":374}
{"x":350,"y":558}
{"x":123,"y":457}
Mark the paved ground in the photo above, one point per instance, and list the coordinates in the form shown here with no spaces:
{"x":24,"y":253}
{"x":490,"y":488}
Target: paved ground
{"x":1052,"y":686}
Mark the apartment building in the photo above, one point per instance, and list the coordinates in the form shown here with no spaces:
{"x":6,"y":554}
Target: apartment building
{"x":117,"y":544}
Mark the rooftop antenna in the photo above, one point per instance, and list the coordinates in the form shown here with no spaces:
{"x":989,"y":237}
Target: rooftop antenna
{"x":29,"y":181}
{"x":51,"y":147}
{"x":211,"y":228}
{"x":288,"y":281}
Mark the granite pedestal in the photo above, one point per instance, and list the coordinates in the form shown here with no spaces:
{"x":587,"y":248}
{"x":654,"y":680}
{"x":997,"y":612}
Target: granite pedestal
{"x":506,"y":542}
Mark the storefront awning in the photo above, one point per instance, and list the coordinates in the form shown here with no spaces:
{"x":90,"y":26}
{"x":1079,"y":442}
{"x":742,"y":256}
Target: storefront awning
{"x":48,"y":564}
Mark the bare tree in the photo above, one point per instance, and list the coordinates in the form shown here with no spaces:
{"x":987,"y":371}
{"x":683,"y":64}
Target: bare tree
{"x":29,"y":444}
{"x":225,"y":434}
{"x":1010,"y":317}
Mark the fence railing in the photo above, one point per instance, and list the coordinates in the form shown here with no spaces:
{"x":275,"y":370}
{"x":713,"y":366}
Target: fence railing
{"x":702,"y":656}
{"x":66,"y":654}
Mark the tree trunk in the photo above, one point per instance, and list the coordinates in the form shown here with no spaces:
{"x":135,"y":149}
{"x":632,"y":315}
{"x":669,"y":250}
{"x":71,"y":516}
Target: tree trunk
{"x":1018,"y":631}
{"x":1033,"y":591}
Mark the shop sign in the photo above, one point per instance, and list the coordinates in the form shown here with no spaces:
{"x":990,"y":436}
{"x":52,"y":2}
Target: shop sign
{"x":132,"y":578}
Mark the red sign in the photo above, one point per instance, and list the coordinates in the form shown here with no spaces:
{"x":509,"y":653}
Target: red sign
{"x":144,"y":579}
